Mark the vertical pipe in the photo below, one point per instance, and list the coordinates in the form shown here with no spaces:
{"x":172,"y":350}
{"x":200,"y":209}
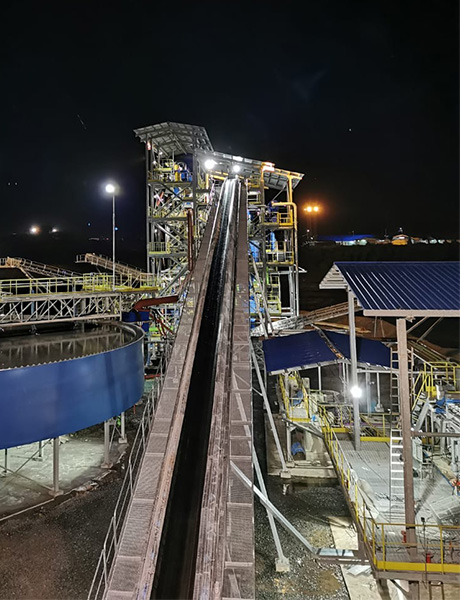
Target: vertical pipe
{"x":5,"y":463}
{"x":354,"y":370}
{"x":40,"y":450}
{"x":288,"y":441}
{"x":379,"y":404}
{"x":368,"y":392}
{"x":319,"y":378}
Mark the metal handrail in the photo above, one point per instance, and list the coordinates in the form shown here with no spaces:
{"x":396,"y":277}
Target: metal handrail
{"x":437,"y":547}
{"x":102,"y":571}
{"x":287,"y":400}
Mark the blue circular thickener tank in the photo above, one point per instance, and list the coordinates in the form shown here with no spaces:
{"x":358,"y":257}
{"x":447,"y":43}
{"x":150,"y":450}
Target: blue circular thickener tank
{"x":82,"y":378}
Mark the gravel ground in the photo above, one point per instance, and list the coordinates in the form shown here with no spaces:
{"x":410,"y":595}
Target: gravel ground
{"x":308,"y":508}
{"x":53,"y":553}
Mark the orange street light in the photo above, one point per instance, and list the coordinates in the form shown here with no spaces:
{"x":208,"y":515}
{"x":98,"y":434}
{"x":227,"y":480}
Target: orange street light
{"x":316,"y":208}
{"x":308,"y":209}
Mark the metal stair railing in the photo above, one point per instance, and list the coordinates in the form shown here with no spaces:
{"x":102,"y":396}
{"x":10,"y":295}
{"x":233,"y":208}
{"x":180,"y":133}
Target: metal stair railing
{"x":396,"y":477}
{"x":99,"y":260}
{"x":38,"y":268}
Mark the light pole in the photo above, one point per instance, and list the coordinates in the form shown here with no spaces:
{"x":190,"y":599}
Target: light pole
{"x":312,"y":212}
{"x":111,"y":189}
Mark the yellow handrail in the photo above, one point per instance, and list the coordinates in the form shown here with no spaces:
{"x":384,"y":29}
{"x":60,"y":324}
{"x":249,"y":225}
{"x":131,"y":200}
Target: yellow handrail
{"x":387,"y":541}
{"x":287,"y":401}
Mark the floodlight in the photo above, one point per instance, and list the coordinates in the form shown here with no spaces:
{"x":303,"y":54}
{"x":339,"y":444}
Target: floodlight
{"x":356,"y":391}
{"x":209,"y":164}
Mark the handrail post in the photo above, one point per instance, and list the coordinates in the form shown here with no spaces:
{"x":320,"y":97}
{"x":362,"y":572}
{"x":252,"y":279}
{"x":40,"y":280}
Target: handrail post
{"x":114,"y":521}
{"x":441,"y":547}
{"x":104,"y":560}
{"x":374,"y":558}
{"x":383,"y":545}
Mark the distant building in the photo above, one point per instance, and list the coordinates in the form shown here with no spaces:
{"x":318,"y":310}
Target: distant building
{"x":355,"y":239}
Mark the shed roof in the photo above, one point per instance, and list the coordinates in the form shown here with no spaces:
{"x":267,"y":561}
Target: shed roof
{"x":310,"y":349}
{"x":400,"y":288}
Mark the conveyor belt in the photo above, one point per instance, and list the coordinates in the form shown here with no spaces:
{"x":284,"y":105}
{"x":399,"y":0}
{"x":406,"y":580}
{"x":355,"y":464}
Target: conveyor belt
{"x":164,"y":545}
{"x":176,"y":563}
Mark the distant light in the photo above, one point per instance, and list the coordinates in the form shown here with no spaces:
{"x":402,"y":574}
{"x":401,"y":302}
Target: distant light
{"x":116,"y":228}
{"x":34,"y":230}
{"x":236,"y":168}
{"x":316,"y":208}
{"x":110,"y":188}
{"x":356,"y":391}
{"x":89,"y":224}
{"x":54,"y":230}
{"x":238,"y":158}
{"x":308,"y":209}
{"x":209,"y":164}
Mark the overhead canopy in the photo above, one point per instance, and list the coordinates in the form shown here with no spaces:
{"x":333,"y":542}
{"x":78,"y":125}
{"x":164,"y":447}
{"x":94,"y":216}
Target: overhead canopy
{"x":400,"y":289}
{"x":248,"y":167}
{"x":175,"y":138}
{"x":298,"y":351}
{"x":310,"y":349}
{"x":369,"y":351}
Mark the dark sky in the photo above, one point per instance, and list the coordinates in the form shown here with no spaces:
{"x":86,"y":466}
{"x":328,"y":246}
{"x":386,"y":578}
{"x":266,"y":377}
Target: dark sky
{"x":360,"y":96}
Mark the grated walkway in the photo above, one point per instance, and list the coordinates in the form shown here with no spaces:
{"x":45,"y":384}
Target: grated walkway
{"x":434,"y":497}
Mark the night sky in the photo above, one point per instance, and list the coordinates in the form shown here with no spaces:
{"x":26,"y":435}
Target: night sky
{"x":360,"y":96}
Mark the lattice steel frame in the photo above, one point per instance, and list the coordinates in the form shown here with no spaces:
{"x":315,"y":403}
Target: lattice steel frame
{"x":59,"y":307}
{"x":178,"y":199}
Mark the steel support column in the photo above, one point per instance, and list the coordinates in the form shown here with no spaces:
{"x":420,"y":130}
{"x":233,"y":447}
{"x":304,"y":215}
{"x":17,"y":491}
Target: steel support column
{"x":122,"y":439}
{"x":5,"y":463}
{"x":106,"y":464}
{"x":354,"y":370}
{"x":282,"y":563}
{"x":284,"y":469}
{"x":56,"y":491}
{"x":406,"y":426}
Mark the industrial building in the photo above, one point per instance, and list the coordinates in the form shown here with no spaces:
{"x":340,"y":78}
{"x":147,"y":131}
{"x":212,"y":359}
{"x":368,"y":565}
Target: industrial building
{"x":214,"y":318}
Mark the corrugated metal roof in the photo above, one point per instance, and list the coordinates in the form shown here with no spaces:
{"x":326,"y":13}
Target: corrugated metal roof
{"x":296,"y":351}
{"x":368,"y":351}
{"x":309,"y":349}
{"x":400,"y":288}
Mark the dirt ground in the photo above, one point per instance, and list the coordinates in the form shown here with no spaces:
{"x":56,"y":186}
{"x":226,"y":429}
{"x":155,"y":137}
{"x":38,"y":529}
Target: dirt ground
{"x":52,"y":554}
{"x":308,"y":509}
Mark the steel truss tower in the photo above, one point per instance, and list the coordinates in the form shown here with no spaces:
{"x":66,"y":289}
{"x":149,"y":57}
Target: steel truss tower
{"x":178,"y":200}
{"x":272,"y":232}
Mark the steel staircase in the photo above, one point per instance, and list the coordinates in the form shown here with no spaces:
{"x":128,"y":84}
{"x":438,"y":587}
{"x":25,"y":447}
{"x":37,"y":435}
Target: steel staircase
{"x":120,"y":268}
{"x":396,"y":477}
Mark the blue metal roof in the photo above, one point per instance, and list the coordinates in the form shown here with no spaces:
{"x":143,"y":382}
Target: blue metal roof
{"x":296,"y":351}
{"x":305,"y":350}
{"x":400,"y":288}
{"x":352,"y":237}
{"x":368,"y":351}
